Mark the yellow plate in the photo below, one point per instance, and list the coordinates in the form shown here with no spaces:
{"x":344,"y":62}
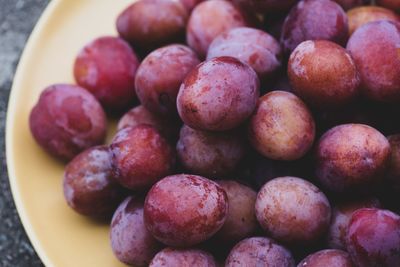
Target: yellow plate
{"x":61,"y":237}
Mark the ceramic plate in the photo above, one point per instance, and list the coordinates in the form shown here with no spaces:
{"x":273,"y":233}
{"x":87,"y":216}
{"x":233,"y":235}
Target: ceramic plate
{"x":61,"y":237}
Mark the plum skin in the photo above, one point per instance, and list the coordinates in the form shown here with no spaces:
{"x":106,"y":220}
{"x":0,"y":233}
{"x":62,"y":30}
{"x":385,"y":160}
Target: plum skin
{"x":355,"y":164}
{"x":241,"y":221}
{"x":212,"y":154}
{"x":130,"y":240}
{"x":183,"y":257}
{"x":150,"y":24}
{"x":314,"y":20}
{"x":208,"y":20}
{"x":193,"y":213}
{"x":254,"y":47}
{"x":141,"y":157}
{"x":218,"y":94}
{"x":140,"y":115}
{"x":89,"y":186}
{"x":327,"y":257}
{"x":106,"y":67}
{"x":373,"y":238}
{"x":66,"y":120}
{"x":160,"y":75}
{"x":259,"y":251}
{"x":374,"y":48}
{"x":323,"y":74}
{"x":341,"y":215}
{"x":282,"y":127}
{"x":292,"y":210}
{"x":362,"y":15}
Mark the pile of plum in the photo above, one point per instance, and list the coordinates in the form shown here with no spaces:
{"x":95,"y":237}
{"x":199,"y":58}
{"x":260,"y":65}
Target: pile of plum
{"x":271,"y":137}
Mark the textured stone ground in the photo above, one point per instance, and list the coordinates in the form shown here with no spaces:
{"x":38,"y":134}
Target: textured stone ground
{"x":17,"y":18}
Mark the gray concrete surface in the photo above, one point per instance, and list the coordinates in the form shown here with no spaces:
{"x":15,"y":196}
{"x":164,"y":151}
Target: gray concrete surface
{"x":17,"y":19}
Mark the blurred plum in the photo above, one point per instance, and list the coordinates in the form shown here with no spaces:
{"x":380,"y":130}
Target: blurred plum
{"x":149,"y":24}
{"x":183,"y":257}
{"x":360,"y":16}
{"x":66,"y":120}
{"x":131,"y":242}
{"x":106,"y":67}
{"x":208,"y":20}
{"x":313,"y":20}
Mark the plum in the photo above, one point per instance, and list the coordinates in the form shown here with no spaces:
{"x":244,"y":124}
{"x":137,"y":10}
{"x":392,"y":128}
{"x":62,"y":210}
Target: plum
{"x":183,"y":257}
{"x":314,"y":20}
{"x":360,"y":16}
{"x":107,"y":68}
{"x":323,"y":74}
{"x":212,"y":154}
{"x":390,"y":4}
{"x":241,"y":221}
{"x":259,"y":251}
{"x":326,"y":258}
{"x":282,"y":127}
{"x":89,"y":186}
{"x":66,"y":120}
{"x":131,"y":242}
{"x":218,"y":94}
{"x":183,"y":210}
{"x":149,"y":24}
{"x":351,"y":157}
{"x":341,"y":214}
{"x":375,"y":50}
{"x":393,"y":172}
{"x":140,"y":115}
{"x":292,"y":210}
{"x":254,"y":47}
{"x":373,"y":238}
{"x":208,"y":20}
{"x":160,"y":75}
{"x":141,"y":157}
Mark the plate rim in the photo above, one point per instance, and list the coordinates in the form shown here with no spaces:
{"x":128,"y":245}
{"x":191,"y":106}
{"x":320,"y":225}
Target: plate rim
{"x":11,"y":113}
